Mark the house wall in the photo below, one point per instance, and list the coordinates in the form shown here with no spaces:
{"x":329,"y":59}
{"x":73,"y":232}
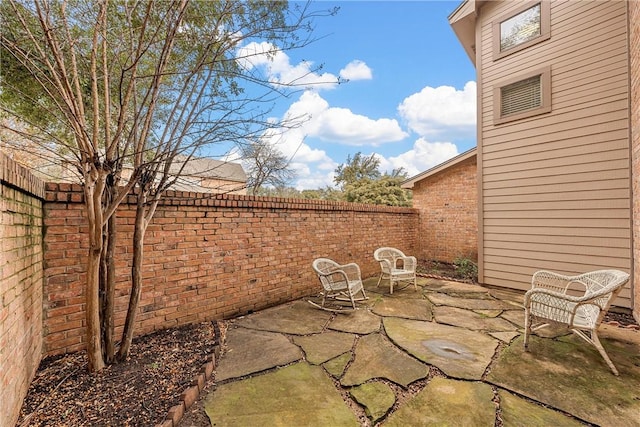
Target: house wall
{"x":21,"y":196}
{"x":634,"y":49}
{"x":555,"y":188}
{"x":448,"y":207}
{"x":211,"y":256}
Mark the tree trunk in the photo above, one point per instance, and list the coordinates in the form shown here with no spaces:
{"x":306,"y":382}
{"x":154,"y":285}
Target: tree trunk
{"x":92,"y":193}
{"x":108,"y":289}
{"x":140,"y":229}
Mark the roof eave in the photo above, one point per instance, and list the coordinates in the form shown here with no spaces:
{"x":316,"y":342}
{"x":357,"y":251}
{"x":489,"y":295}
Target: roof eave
{"x":463,"y":23}
{"x":409,"y":183}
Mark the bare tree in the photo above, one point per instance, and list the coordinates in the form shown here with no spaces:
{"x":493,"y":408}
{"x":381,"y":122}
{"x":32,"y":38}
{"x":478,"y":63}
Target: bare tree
{"x":266,"y":166}
{"x":115,"y":86}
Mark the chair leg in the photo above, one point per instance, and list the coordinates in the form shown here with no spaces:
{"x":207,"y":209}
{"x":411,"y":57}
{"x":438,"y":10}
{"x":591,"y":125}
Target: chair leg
{"x":415,"y":283}
{"x":390,"y":285}
{"x":527,"y":328}
{"x":380,"y":279}
{"x":596,"y":342}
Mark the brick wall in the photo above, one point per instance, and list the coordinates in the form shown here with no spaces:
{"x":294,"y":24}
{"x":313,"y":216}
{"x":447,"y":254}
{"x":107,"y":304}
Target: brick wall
{"x":447,"y":202}
{"x":634,"y":48}
{"x":211,"y":256}
{"x":21,"y":197}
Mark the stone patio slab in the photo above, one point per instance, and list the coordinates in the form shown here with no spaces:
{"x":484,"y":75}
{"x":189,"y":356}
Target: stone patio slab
{"x":376,"y":397}
{"x":517,"y":412}
{"x":470,"y":320}
{"x":505,"y":336}
{"x":469,"y":303}
{"x":458,"y":352}
{"x":375,"y":357}
{"x":358,"y":322}
{"x":570,"y":375}
{"x":336,"y":366}
{"x":514,"y":316}
{"x":249,"y":351}
{"x":467,"y":290}
{"x":322,"y":347}
{"x":489,"y":313}
{"x":417,"y":309}
{"x":297,"y":395}
{"x":299,"y":318}
{"x":445,"y":402}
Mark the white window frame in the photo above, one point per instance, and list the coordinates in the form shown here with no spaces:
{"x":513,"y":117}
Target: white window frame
{"x":545,"y":29}
{"x":545,"y":92}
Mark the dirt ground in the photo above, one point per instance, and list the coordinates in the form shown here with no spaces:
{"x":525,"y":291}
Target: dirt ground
{"x":138,"y":392}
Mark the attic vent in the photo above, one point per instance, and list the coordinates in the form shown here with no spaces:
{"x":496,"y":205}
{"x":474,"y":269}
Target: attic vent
{"x":521,"y":96}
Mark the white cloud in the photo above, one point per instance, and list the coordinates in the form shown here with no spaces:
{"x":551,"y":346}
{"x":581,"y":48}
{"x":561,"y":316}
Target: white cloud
{"x":314,"y":167}
{"x":434,"y":111}
{"x":356,"y":70}
{"x":343,"y":126}
{"x":279,"y":69}
{"x":423,"y":156}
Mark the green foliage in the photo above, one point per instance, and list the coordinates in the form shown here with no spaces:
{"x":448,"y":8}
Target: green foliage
{"x":356,"y":169}
{"x":466,"y":268}
{"x":362,"y":182}
{"x":326,"y":193}
{"x":383,"y":191}
{"x":286,"y":192}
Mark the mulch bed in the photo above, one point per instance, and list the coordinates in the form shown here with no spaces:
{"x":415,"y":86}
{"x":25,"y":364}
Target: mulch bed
{"x":137,"y":392}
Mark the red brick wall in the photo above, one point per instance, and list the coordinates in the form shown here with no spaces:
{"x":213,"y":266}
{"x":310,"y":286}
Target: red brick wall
{"x":21,"y":197}
{"x":211,"y":256}
{"x":634,"y":48}
{"x":448,"y":205}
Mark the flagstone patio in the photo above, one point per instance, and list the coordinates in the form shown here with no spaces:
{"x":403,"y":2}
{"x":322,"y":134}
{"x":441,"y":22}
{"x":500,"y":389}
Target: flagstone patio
{"x":448,"y":354}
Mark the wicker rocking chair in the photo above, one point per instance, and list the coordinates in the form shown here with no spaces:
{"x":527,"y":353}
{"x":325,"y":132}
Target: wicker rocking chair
{"x":340,"y":283}
{"x":396,"y":266}
{"x":550,"y":301}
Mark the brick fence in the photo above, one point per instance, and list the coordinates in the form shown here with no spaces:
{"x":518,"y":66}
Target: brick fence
{"x":447,"y":203}
{"x":210,"y":256}
{"x":21,"y":196}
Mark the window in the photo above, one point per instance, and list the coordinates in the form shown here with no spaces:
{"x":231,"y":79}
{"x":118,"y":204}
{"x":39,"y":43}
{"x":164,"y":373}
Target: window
{"x":525,"y":96}
{"x":518,"y":30}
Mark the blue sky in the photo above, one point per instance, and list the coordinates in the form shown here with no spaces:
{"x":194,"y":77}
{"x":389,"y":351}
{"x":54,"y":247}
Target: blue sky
{"x":410,"y":98}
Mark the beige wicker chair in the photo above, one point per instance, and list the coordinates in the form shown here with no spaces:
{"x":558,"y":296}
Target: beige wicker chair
{"x":396,"y":266}
{"x":550,"y":301}
{"x":339,"y":282}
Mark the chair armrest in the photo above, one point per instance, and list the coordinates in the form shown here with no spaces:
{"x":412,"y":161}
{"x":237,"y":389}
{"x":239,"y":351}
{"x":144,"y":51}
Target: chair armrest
{"x":409,"y":263}
{"x":555,"y":294}
{"x":553,"y":281}
{"x":579,"y":300}
{"x":385,"y":264}
{"x":351,"y":270}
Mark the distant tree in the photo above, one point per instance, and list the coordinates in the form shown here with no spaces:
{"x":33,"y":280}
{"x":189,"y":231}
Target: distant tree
{"x":286,"y":192}
{"x":362,"y":182}
{"x":266,"y":166}
{"x":108,"y":85}
{"x":383,"y":191}
{"x":357,"y":168}
{"x":327,"y":193}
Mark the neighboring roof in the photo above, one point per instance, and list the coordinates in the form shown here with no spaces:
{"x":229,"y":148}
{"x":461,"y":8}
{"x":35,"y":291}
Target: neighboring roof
{"x":202,"y":167}
{"x":409,"y":183}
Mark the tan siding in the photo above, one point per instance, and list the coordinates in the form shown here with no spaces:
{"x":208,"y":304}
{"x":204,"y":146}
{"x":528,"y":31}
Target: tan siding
{"x":634,"y":49}
{"x":555,"y":187}
{"x":565,"y":190}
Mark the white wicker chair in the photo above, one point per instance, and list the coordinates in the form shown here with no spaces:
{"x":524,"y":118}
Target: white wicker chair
{"x":339,"y":282}
{"x":396,"y":266}
{"x":550,"y":301}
